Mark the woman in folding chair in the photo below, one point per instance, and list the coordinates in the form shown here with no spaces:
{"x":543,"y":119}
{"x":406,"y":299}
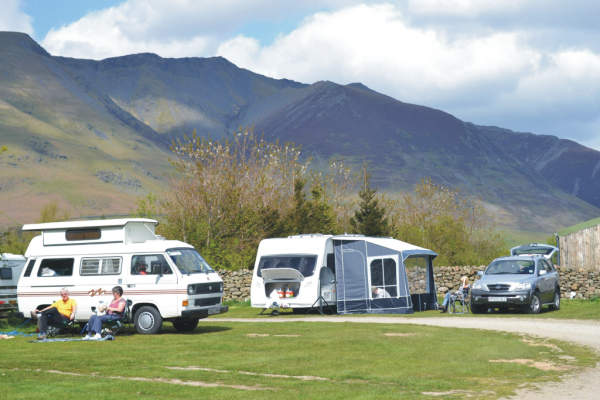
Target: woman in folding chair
{"x":463,"y":290}
{"x":114,"y":311}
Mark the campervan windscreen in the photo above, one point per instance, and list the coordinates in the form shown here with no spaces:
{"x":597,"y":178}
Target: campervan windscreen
{"x":189,"y":261}
{"x":303,"y":264}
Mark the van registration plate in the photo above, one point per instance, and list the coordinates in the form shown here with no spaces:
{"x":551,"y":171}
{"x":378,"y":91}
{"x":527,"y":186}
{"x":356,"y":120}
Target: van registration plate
{"x":498,"y":299}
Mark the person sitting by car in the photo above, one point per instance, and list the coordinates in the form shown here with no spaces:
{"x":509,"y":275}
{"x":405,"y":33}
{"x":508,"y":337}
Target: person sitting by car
{"x":60,"y":312}
{"x":114,"y":311}
{"x":464,"y":288}
{"x":141,"y":269}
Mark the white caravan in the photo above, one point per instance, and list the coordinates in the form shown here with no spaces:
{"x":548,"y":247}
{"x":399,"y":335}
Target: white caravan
{"x":164,"y":279}
{"x":354,"y":273}
{"x":10,"y":270}
{"x":291,"y":272}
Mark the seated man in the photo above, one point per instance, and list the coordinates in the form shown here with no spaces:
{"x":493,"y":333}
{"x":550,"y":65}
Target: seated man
{"x":60,"y":312}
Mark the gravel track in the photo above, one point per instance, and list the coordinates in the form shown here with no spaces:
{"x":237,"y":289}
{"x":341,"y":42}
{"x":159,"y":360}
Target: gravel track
{"x":582,"y":386}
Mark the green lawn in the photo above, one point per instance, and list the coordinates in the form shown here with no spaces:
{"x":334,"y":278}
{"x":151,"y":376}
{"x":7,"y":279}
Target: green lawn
{"x":569,"y":309}
{"x":357,"y":361}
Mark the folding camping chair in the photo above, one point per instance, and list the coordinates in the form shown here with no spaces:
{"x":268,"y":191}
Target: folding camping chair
{"x":60,"y":327}
{"x":460,"y":302}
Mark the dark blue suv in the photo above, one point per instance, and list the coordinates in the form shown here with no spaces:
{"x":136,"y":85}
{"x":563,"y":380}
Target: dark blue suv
{"x":524,"y":282}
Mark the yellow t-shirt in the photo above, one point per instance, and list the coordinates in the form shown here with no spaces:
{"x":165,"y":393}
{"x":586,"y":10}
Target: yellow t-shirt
{"x":65,"y":307}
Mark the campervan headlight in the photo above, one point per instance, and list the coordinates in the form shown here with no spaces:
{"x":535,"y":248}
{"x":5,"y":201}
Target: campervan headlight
{"x":479,"y":285}
{"x":190,"y":289}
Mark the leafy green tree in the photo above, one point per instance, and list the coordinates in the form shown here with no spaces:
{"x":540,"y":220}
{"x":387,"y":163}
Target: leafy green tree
{"x":314,"y":215}
{"x":370,"y":219}
{"x":439,"y":218}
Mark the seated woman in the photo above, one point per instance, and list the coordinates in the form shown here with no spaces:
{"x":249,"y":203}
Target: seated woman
{"x":464,"y":286}
{"x":114,"y":311}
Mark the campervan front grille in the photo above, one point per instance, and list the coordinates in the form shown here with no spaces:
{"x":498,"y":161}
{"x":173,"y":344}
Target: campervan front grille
{"x":211,"y":301}
{"x":205,"y":288}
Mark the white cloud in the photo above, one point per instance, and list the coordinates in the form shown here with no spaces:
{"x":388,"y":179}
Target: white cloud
{"x":170,"y":28}
{"x":12,"y":18}
{"x":467,"y":8}
{"x":375,"y":45}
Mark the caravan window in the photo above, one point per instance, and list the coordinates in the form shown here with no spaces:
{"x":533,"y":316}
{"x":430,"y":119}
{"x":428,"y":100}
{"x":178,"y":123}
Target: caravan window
{"x":303,"y":264}
{"x":6,"y":273}
{"x":100,"y":266}
{"x":384,"y":278}
{"x":56,"y":267}
{"x":150,"y":264}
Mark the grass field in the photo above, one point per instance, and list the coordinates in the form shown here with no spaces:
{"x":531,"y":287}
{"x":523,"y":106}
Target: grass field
{"x":225,"y":360}
{"x":569,"y":309}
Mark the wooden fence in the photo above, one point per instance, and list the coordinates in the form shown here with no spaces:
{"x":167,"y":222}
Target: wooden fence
{"x":581,"y":249}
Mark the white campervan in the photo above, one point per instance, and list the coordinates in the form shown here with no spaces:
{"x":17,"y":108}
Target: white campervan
{"x":10,"y":270}
{"x":164,"y":279}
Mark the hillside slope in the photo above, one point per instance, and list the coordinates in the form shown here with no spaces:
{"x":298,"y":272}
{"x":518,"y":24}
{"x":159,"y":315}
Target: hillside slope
{"x":66,"y":143}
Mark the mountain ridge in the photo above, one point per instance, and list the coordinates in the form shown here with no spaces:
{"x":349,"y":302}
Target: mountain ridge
{"x":115,"y":118}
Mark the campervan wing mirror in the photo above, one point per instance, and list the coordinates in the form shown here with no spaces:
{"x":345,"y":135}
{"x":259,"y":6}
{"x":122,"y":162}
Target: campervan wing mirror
{"x":480,"y":273}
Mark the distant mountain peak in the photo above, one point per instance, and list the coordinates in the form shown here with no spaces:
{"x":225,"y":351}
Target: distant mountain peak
{"x":20,"y":40}
{"x":358,"y":85}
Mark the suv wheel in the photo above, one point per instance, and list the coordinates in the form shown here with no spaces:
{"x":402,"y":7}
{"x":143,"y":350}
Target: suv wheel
{"x":147,"y":320}
{"x":556,"y":302}
{"x":535,"y":306}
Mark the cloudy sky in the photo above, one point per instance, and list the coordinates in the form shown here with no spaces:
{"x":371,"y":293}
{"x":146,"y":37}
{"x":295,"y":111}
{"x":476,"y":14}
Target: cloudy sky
{"x":527,"y":65}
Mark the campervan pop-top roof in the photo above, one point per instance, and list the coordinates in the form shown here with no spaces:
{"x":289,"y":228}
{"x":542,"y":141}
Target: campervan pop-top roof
{"x":97,"y":236}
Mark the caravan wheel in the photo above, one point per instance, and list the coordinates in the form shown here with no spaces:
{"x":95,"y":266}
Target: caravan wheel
{"x":147,"y":320}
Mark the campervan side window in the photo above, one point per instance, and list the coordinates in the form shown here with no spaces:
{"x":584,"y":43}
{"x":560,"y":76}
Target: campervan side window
{"x":29,"y":268}
{"x":83,"y":234}
{"x":100,"y":266}
{"x":383,"y":276}
{"x":56,"y":267}
{"x":150,"y":264}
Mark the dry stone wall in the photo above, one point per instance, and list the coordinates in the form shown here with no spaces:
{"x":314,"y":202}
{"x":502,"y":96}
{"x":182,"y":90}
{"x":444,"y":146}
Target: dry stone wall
{"x":578,"y":283}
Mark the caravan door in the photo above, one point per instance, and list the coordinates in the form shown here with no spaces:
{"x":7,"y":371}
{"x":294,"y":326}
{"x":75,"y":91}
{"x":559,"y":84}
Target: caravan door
{"x":383,"y":276}
{"x":153,"y":281}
